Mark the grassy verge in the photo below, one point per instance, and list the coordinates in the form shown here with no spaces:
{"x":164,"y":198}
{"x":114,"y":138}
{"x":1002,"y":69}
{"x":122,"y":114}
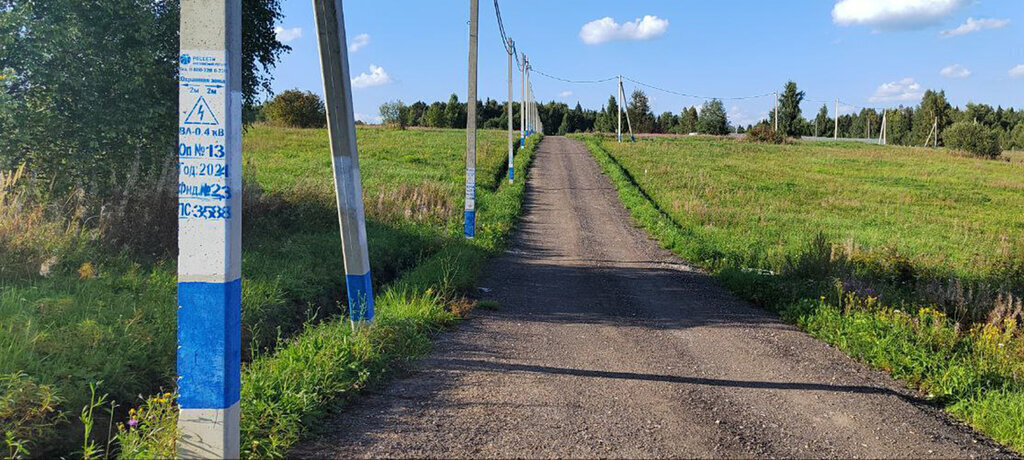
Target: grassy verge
{"x":74,"y":312}
{"x":286,"y":392}
{"x":944,"y":322}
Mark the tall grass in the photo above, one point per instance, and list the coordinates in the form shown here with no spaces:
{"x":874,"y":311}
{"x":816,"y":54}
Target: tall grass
{"x":287,"y":392}
{"x":864,"y":247}
{"x":78,"y":306}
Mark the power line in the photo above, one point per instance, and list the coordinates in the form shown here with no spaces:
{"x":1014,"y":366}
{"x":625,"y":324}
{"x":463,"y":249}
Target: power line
{"x":677,"y":93}
{"x":571,"y":81}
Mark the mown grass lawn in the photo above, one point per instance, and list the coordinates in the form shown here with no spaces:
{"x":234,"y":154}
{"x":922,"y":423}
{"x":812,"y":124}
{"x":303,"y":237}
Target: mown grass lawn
{"x":115,"y":321}
{"x":909,"y":259}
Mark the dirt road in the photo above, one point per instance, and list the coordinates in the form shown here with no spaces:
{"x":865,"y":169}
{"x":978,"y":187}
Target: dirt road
{"x":605,"y":345}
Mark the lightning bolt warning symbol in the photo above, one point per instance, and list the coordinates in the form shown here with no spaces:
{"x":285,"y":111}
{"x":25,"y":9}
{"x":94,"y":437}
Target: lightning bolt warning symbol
{"x":201,"y":114}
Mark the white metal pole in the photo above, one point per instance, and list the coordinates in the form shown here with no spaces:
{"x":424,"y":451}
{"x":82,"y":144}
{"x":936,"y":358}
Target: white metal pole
{"x":470,"y":228}
{"x":510,"y":147}
{"x":330,"y":25}
{"x":209,"y":350}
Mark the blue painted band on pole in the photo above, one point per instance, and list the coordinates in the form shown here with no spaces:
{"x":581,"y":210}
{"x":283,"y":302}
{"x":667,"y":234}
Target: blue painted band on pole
{"x":209,"y":320}
{"x":360,"y":297}
{"x":470,"y":223}
{"x":510,"y":175}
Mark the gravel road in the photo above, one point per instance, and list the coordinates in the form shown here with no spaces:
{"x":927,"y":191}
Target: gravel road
{"x":605,"y":345}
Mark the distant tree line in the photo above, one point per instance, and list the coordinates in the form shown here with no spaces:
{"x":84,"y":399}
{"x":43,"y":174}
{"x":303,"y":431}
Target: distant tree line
{"x":997,"y":127}
{"x":559,"y":118}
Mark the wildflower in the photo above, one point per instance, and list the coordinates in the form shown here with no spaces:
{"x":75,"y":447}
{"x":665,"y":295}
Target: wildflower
{"x":134,"y":422}
{"x":86,"y":271}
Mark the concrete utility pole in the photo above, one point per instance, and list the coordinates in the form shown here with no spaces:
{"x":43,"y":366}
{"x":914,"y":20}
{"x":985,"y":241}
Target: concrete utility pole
{"x":881,"y":132}
{"x":522,"y":104}
{"x":618,"y":131}
{"x":470,"y":229}
{"x":510,"y":147}
{"x":209,"y":228}
{"x":835,"y":135}
{"x":348,"y":187}
{"x":529,"y":101}
{"x":776,"y":111}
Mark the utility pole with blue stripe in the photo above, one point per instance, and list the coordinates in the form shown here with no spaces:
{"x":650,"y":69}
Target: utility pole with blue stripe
{"x":470,"y":227}
{"x":511,"y":51}
{"x":209,"y":350}
{"x":341,"y":127}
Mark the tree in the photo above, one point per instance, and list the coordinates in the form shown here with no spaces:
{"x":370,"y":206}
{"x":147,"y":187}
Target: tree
{"x":667,"y":122}
{"x":713,"y":119}
{"x":973,"y":138}
{"x":789,"y":110}
{"x":934,"y":107}
{"x":688,"y":121}
{"x":394,"y":114}
{"x":435,"y":117}
{"x":822,"y":122}
{"x":296,"y":109}
{"x":93,"y":87}
{"x":607,"y":119}
{"x":414,"y":115}
{"x":1017,"y":137}
{"x":640,"y":115}
{"x":454,"y":113}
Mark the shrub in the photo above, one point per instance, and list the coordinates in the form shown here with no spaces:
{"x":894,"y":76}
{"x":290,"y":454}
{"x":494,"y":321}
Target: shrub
{"x":972,"y":138}
{"x":296,"y":109}
{"x":764,"y":133}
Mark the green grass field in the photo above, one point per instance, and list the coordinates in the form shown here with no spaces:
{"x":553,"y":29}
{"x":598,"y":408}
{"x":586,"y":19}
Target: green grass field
{"x":909,"y":259}
{"x":114,"y":320}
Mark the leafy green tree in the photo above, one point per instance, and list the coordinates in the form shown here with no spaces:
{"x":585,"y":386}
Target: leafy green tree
{"x":713,"y":119}
{"x":1017,"y":137}
{"x":933,"y":107}
{"x":435,"y":116}
{"x":789,"y":109}
{"x":296,"y":109}
{"x":688,"y":121}
{"x":455,"y":113}
{"x":667,"y":122}
{"x":822,"y":123}
{"x":607,"y":119}
{"x":414,"y":116}
{"x":640,"y":113}
{"x":394,"y":113}
{"x":93,"y":88}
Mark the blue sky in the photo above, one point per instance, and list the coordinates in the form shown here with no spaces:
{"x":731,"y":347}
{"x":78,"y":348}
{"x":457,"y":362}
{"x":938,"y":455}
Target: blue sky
{"x":872,"y":53}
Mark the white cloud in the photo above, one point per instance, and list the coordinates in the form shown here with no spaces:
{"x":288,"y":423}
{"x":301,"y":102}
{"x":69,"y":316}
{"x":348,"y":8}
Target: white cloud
{"x":975,"y":25}
{"x":606,"y":30}
{"x":359,"y":43}
{"x":376,"y":77}
{"x":1017,"y":72}
{"x":894,"y":14}
{"x":565,"y":94}
{"x":955,"y":71}
{"x":897,"y":91}
{"x":287,"y":35}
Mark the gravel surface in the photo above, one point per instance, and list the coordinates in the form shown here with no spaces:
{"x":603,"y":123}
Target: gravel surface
{"x":605,"y":345}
